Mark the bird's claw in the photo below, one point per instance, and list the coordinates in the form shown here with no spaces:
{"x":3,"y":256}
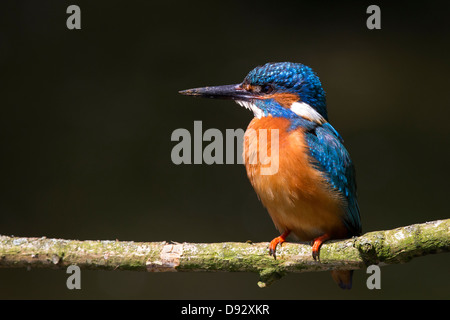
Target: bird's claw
{"x":316,"y":243}
{"x":273,"y":252}
{"x":316,"y":255}
{"x":273,"y":245}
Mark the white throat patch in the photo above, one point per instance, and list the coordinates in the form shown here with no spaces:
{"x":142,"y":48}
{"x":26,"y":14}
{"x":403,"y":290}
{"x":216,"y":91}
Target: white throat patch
{"x":306,"y":111}
{"x":257,"y":112}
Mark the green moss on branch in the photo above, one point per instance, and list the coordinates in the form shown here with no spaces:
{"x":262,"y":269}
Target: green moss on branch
{"x":380,"y":247}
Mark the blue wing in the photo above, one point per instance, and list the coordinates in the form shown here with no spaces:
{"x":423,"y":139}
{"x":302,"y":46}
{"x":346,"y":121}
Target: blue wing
{"x":325,"y":146}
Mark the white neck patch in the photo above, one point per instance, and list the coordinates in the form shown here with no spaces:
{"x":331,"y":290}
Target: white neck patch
{"x":257,"y":112}
{"x":306,"y":111}
{"x":299,"y":108}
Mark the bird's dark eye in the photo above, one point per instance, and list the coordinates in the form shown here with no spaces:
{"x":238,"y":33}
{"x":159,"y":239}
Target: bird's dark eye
{"x":267,"y":88}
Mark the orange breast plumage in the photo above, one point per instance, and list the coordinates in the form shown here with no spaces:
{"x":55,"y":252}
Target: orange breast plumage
{"x":296,"y":195}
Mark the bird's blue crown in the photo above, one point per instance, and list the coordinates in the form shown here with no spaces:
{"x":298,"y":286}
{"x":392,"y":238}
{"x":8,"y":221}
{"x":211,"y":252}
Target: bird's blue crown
{"x":288,"y":77}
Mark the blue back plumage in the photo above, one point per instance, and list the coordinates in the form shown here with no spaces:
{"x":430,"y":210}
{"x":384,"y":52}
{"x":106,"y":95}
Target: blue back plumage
{"x":333,"y":160}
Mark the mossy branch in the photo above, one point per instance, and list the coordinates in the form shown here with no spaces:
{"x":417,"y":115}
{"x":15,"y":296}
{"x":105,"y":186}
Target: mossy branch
{"x":380,"y":247}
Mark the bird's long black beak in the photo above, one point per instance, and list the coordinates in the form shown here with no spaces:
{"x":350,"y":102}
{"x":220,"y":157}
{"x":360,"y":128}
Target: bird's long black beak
{"x":232,"y":91}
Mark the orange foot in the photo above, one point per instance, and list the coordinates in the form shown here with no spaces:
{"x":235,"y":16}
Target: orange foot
{"x":278,"y":240}
{"x":316,"y":245}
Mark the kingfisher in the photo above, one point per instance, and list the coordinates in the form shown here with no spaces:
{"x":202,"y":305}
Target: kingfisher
{"x":312,"y":194}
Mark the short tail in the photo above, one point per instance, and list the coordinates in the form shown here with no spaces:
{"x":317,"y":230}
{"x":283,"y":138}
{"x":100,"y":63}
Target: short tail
{"x":343,"y":278}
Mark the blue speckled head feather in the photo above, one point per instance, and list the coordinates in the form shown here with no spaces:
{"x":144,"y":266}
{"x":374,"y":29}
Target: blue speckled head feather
{"x":294,"y":78}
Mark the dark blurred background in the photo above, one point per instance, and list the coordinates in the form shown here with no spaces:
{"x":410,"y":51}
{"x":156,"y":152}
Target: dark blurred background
{"x":87,"y":117}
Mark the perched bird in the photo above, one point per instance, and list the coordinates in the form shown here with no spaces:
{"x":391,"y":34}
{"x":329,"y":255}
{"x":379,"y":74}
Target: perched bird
{"x":312,"y":194}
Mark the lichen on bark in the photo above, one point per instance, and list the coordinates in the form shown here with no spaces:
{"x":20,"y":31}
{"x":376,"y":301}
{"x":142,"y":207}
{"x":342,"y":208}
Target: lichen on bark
{"x":395,"y":246}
